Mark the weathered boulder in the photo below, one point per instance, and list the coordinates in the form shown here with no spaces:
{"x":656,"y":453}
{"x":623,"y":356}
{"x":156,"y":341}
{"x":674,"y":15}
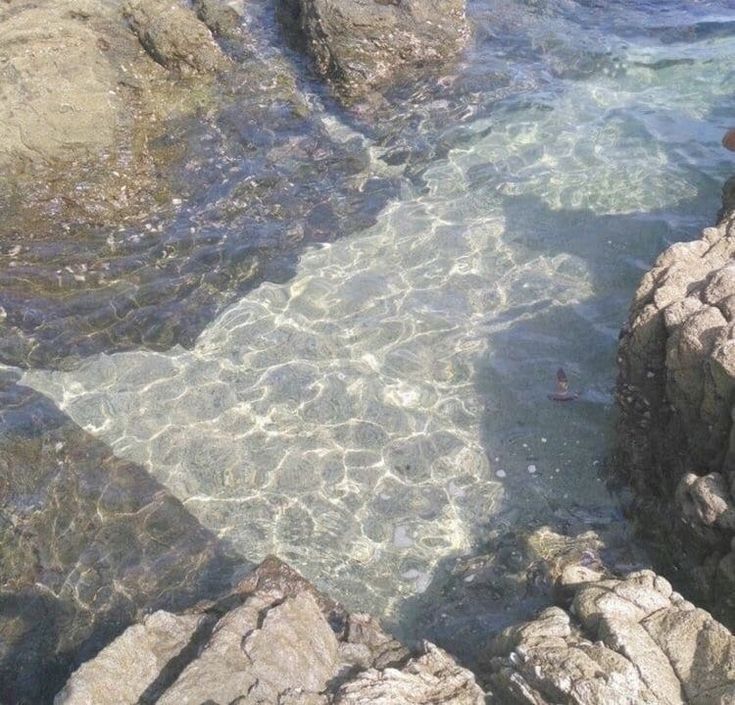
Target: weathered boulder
{"x":630,"y":641}
{"x":86,"y":89}
{"x":58,"y":89}
{"x":173,"y":36}
{"x":276,"y":639}
{"x":365,"y":45}
{"x":676,"y":393}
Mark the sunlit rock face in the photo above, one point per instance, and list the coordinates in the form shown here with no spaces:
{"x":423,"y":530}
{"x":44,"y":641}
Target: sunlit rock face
{"x":676,"y":392}
{"x":89,"y":542}
{"x":275,"y":639}
{"x":363,"y":46}
{"x":626,"y":641}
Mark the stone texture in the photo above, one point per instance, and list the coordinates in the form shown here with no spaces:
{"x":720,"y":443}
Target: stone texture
{"x":88,"y":544}
{"x":676,"y":393}
{"x":46,"y":54}
{"x":433,"y":677}
{"x":143,"y":650}
{"x":624,"y":641}
{"x":174,"y":37}
{"x":82,"y":104}
{"x":363,"y":45}
{"x":275,"y":639}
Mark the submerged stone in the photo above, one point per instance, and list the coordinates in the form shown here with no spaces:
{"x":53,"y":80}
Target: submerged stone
{"x":88,"y":543}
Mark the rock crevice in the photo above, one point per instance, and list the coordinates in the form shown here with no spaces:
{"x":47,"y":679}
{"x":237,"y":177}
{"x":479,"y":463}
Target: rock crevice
{"x":676,"y":393}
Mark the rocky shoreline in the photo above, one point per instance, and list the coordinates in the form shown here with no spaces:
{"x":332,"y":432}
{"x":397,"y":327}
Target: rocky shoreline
{"x":276,"y":639}
{"x":611,"y":637}
{"x":676,"y":394}
{"x":105,"y":572}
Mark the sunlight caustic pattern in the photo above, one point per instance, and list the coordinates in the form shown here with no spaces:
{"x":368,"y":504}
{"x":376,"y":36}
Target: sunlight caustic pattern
{"x":362,"y":420}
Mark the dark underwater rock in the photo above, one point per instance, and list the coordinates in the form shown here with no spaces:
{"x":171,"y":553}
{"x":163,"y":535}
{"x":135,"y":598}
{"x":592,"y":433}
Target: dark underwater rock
{"x":88,"y":543}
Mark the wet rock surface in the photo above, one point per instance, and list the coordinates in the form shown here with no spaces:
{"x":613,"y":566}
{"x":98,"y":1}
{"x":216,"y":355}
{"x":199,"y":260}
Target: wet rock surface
{"x":365,"y":45}
{"x":625,"y":640}
{"x":174,"y":37}
{"x":275,"y":639}
{"x":81,"y":107}
{"x":676,"y":392}
{"x":194,"y":173}
{"x":88,"y":543}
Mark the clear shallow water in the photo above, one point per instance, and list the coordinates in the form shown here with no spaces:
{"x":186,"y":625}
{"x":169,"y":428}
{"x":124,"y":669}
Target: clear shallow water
{"x":375,"y":414}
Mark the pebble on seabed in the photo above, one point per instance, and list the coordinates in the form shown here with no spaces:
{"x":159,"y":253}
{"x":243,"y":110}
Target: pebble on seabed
{"x":532,"y":469}
{"x":500,"y":473}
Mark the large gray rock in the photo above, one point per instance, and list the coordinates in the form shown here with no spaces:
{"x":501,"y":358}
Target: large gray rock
{"x":146,"y":648}
{"x":363,"y":45}
{"x":629,"y":641}
{"x":676,"y":392}
{"x":276,"y":639}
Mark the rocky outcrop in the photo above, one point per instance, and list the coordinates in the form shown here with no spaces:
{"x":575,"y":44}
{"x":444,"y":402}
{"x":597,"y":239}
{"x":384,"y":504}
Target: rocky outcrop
{"x":122,"y":181}
{"x":275,"y":639}
{"x":174,"y":37}
{"x":676,"y":392}
{"x":82,"y":103}
{"x":630,"y":641}
{"x":365,"y":45}
{"x":88,"y":543}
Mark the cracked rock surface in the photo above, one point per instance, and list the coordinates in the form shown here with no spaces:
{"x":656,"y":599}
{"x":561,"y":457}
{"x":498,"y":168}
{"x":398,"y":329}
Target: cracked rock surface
{"x":676,"y":392}
{"x":364,"y":45}
{"x":630,"y":641}
{"x":275,"y":639}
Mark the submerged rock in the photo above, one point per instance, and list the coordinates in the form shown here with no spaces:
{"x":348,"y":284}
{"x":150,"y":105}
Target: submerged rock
{"x":676,"y":392}
{"x":138,"y":199}
{"x":275,"y":639}
{"x":88,"y":543}
{"x":223,"y":20}
{"x":365,"y":45}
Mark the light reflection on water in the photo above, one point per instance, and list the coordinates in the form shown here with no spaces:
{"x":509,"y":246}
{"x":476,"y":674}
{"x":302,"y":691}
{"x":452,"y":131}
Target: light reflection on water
{"x":369,"y":417}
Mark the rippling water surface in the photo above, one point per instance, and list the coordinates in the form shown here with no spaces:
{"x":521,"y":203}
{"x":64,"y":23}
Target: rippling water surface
{"x":380,"y":411}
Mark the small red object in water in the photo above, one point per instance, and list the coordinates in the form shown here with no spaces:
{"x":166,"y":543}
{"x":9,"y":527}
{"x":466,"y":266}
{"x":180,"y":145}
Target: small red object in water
{"x":728,"y":141}
{"x":562,"y":392}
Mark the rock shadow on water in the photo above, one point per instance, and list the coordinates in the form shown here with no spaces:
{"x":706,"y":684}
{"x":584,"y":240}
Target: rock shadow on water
{"x":90,"y":543}
{"x":549,"y":456}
